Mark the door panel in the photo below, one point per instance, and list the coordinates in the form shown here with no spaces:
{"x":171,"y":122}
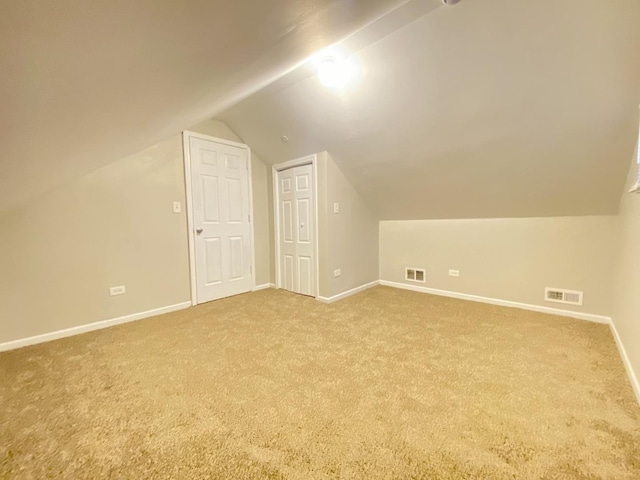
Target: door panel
{"x":232,"y":162}
{"x":296,"y":229}
{"x":209,"y":157}
{"x":286,"y":185}
{"x":287,"y":212}
{"x":220,"y":200}
{"x":234,"y":201}
{"x":237,"y":260}
{"x":213,"y":260}
{"x":304,"y":214}
{"x":288,"y":273}
{"x":304,"y":274}
{"x":302,"y":183}
{"x":210,"y":195}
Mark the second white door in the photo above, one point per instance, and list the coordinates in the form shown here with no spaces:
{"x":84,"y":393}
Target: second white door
{"x":296,"y":213}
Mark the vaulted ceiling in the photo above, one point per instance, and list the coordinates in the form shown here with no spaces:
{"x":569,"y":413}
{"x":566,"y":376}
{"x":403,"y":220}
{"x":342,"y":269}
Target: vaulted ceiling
{"x":86,"y":82}
{"x":491,"y":108}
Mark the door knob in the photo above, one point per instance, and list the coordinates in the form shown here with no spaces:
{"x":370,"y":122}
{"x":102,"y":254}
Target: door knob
{"x":302,"y":225}
{"x":199,"y":230}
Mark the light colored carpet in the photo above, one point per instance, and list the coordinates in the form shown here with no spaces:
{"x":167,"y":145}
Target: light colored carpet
{"x":387,"y":384}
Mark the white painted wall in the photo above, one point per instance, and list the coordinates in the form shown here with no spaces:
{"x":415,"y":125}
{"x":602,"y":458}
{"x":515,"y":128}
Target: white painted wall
{"x":60,"y":252}
{"x":626,"y":298}
{"x":507,"y":259}
{"x":349,"y":239}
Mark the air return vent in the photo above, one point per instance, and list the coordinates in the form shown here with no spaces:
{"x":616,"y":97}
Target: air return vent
{"x":560,"y":295}
{"x":415,"y":275}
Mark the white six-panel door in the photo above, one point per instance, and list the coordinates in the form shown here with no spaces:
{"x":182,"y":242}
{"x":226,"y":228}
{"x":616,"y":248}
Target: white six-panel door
{"x":221,"y":223}
{"x":296,"y":230}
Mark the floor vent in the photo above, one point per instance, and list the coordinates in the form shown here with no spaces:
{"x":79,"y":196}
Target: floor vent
{"x":415,"y":275}
{"x":558,"y":295}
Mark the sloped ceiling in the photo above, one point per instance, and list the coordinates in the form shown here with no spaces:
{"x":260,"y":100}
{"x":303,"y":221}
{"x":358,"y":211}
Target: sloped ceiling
{"x":491,"y":108}
{"x":86,"y":82}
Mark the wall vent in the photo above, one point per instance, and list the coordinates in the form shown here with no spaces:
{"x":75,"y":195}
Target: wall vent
{"x":559,"y":295}
{"x":415,"y":275}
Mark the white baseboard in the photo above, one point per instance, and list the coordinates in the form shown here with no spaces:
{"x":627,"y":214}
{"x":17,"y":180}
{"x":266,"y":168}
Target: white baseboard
{"x":503,"y":303}
{"x":68,"y":332}
{"x":536,"y":308}
{"x":627,"y":363}
{"x":264,"y":286}
{"x":348,"y":293}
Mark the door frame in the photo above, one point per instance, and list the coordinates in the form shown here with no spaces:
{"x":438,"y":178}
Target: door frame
{"x":186,"y":136}
{"x":276,"y":169}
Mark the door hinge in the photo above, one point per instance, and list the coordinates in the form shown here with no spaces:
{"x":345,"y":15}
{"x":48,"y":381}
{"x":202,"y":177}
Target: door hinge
{"x":251,"y":269}
{"x":249,"y":217}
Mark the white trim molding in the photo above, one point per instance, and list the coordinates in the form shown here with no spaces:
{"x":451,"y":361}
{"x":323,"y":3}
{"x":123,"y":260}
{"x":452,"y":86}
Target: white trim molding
{"x":348,"y":293}
{"x":627,"y":363}
{"x":186,"y":152}
{"x":636,"y":187}
{"x":264,"y":286}
{"x":90,"y":327}
{"x":503,"y":303}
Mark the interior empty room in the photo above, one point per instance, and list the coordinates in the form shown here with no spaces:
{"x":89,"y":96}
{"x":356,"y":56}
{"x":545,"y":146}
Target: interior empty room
{"x":317,"y":239}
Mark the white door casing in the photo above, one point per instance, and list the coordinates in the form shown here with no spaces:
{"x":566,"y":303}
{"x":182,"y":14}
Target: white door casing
{"x":297,"y":229}
{"x":219,"y":205}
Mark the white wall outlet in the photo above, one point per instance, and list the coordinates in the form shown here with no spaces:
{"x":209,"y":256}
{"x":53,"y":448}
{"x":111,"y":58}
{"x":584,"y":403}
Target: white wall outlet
{"x":177,"y":207}
{"x":117,"y":290}
{"x":454,"y":273}
{"x":337,"y":272}
{"x":336,"y":208}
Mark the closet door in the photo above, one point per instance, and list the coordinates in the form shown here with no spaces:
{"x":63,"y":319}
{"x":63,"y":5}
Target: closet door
{"x":296,"y":230}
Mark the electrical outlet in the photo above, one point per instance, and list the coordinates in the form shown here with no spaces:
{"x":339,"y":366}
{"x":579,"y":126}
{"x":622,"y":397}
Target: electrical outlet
{"x":177,"y":207}
{"x":117,"y":290}
{"x":336,"y":208}
{"x":337,"y":273}
{"x":454,"y":273}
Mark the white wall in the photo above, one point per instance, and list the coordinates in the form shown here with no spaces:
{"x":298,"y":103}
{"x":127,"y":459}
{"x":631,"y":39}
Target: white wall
{"x":507,"y":259}
{"x":60,"y":252}
{"x":626,"y":298}
{"x":349,"y":239}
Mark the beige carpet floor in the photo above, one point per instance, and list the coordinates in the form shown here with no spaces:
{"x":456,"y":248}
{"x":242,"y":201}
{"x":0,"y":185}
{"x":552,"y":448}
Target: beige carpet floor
{"x":387,"y":384}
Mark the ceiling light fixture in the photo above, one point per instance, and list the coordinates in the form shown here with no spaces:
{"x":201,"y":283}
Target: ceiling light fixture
{"x":334,"y":72}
